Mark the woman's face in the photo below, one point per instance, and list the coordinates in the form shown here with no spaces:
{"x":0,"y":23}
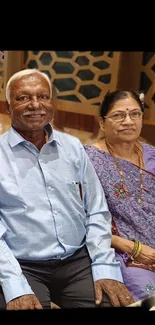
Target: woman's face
{"x":123,"y":122}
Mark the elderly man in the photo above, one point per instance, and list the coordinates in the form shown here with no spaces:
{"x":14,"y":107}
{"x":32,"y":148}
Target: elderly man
{"x":55,"y":227}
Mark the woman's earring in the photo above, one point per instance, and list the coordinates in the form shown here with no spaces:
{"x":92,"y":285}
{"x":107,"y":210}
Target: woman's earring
{"x":101,"y":124}
{"x":102,"y":127}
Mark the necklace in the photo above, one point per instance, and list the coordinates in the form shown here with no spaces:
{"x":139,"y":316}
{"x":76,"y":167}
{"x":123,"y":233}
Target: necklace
{"x":138,"y":151}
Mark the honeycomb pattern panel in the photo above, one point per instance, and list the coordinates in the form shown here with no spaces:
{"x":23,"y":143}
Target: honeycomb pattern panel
{"x":32,"y":64}
{"x":85,"y":75}
{"x":147,"y":79}
{"x":79,"y":76}
{"x":63,"y":68}
{"x":46,"y":58}
{"x":105,"y":78}
{"x":64,"y":54}
{"x":90,"y":91}
{"x":68,"y":85}
{"x":1,"y":74}
{"x":97,"y":53}
{"x":82,"y":60}
{"x":101,"y":65}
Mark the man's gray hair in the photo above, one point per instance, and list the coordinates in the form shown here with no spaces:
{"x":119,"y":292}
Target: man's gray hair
{"x":22,"y":73}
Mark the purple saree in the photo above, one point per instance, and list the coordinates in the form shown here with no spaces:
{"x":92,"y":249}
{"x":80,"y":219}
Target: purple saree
{"x":132,"y":220}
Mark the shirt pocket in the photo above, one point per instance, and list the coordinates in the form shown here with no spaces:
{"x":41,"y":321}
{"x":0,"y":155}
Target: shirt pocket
{"x":75,"y":193}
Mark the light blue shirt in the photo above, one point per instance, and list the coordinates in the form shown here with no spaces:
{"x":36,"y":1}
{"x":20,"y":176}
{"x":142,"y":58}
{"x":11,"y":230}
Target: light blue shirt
{"x":42,"y":215}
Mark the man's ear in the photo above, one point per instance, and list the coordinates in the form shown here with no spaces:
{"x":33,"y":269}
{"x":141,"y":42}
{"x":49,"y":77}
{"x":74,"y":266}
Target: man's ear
{"x":8,"y":108}
{"x":54,"y":97}
{"x":101,"y":123}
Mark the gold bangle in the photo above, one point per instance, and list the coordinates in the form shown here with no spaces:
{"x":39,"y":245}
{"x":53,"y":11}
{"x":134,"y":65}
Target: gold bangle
{"x":138,"y":250}
{"x":135,"y":249}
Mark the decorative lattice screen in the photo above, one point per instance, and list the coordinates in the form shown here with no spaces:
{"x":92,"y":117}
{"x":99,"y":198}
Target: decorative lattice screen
{"x":78,"y":76}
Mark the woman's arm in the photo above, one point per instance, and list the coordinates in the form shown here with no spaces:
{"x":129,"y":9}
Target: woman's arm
{"x":122,"y":245}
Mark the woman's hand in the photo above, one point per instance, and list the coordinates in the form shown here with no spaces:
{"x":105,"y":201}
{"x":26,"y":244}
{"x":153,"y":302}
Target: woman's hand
{"x":147,"y":255}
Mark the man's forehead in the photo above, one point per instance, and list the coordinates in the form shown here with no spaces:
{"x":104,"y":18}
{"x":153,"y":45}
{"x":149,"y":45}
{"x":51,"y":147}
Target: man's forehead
{"x":30,"y":78}
{"x":27,"y":81}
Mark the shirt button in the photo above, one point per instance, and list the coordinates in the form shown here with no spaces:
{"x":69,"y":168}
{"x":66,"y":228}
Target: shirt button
{"x":55,"y":212}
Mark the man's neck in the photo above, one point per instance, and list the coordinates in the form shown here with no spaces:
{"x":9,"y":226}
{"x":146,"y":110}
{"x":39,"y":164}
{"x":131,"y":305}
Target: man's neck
{"x":38,"y":138}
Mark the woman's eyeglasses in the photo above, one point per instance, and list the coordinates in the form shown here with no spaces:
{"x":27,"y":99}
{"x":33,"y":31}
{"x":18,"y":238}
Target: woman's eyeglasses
{"x":121,"y":116}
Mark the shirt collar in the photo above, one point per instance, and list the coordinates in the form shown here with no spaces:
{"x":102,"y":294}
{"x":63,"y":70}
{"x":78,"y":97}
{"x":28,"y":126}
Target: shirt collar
{"x":15,"y":138}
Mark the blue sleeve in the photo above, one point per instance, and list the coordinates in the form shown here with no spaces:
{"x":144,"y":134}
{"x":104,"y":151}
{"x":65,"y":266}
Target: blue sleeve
{"x":12,"y":280}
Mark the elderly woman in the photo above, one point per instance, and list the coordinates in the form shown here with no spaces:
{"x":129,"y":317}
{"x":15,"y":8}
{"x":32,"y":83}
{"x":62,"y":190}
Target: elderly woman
{"x":126,"y":169}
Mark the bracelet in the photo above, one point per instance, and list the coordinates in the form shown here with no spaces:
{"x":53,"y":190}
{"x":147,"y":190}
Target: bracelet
{"x":136,"y":250}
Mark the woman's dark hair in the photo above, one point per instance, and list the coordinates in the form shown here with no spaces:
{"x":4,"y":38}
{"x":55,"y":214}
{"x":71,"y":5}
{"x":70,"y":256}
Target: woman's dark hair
{"x":112,"y":97}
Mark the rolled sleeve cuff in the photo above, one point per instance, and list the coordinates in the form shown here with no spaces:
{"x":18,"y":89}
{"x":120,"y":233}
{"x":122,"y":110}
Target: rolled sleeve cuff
{"x":16,"y":287}
{"x":106,"y":272}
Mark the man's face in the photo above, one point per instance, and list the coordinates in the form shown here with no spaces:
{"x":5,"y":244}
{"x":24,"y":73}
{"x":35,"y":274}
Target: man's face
{"x":30,"y":103}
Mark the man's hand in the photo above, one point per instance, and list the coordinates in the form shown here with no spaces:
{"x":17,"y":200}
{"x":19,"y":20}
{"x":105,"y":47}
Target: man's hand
{"x":117,"y":292}
{"x":24,"y":302}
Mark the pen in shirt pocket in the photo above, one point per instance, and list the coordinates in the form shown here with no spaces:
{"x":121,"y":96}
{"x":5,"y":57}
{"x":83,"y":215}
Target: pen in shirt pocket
{"x":80,"y":188}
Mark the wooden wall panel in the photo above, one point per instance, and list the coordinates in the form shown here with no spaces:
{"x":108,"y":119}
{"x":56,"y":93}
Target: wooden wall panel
{"x":147,"y":84}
